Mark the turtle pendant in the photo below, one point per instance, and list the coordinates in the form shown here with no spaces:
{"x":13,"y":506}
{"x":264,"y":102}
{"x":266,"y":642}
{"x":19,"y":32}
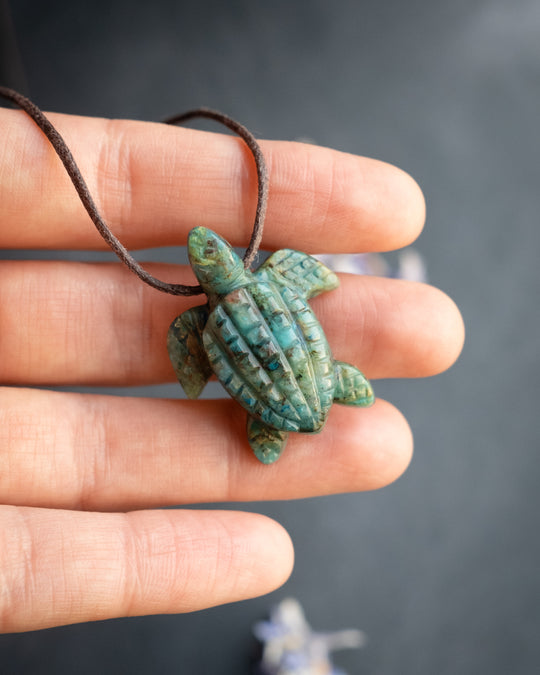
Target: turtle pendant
{"x":259,"y":336}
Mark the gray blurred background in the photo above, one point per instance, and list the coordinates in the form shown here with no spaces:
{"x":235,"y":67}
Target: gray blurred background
{"x":440,"y":569}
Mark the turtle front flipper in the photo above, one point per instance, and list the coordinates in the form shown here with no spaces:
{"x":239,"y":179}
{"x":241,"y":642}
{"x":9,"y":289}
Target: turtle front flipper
{"x":267,"y":443}
{"x":294,"y":268}
{"x":352,"y":387}
{"x":186,"y":350}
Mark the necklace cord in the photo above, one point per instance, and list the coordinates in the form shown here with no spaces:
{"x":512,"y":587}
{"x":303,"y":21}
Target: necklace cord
{"x":114,"y":243}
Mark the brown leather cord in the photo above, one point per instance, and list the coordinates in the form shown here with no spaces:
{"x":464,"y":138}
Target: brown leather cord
{"x":118,"y":248}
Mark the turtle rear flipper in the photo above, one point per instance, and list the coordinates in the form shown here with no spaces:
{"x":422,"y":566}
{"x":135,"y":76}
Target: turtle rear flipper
{"x":352,"y":387}
{"x":267,"y":443}
{"x":186,"y":350}
{"x":294,"y":268}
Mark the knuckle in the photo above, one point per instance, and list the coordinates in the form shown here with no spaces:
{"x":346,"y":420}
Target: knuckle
{"x":114,"y":173}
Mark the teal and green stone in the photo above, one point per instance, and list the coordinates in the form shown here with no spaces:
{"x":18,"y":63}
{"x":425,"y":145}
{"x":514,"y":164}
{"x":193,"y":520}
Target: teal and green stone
{"x":259,"y":336}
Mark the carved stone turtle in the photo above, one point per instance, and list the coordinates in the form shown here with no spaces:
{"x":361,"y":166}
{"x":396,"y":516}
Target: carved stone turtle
{"x":260,"y":337}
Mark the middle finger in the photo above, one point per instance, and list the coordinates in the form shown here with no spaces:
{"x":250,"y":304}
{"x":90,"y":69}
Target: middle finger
{"x":96,"y":324}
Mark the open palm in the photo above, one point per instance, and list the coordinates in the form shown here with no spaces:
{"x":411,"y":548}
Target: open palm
{"x":77,"y":470}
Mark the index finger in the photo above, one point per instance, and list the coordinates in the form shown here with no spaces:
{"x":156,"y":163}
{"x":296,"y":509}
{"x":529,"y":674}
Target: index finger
{"x":153,"y":183}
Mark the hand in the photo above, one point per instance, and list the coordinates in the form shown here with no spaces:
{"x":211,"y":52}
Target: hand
{"x":76,"y":469}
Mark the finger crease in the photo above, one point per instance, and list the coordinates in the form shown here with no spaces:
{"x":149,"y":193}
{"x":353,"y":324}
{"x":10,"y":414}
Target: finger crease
{"x":91,"y":449}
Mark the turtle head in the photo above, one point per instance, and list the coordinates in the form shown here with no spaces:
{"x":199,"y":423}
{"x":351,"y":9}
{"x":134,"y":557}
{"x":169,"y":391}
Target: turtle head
{"x":217,"y":267}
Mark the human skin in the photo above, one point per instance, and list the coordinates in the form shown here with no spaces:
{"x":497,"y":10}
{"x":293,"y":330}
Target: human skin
{"x":83,"y":476}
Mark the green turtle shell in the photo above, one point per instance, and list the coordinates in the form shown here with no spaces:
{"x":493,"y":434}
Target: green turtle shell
{"x":268,"y":350}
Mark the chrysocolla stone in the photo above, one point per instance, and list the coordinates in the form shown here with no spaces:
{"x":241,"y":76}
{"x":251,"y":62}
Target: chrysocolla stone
{"x":260,"y":337}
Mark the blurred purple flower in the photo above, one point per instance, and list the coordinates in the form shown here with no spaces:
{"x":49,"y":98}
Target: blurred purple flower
{"x":291,"y":647}
{"x":410,"y":264}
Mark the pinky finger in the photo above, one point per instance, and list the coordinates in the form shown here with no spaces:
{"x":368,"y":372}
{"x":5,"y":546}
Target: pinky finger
{"x":60,"y":567}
